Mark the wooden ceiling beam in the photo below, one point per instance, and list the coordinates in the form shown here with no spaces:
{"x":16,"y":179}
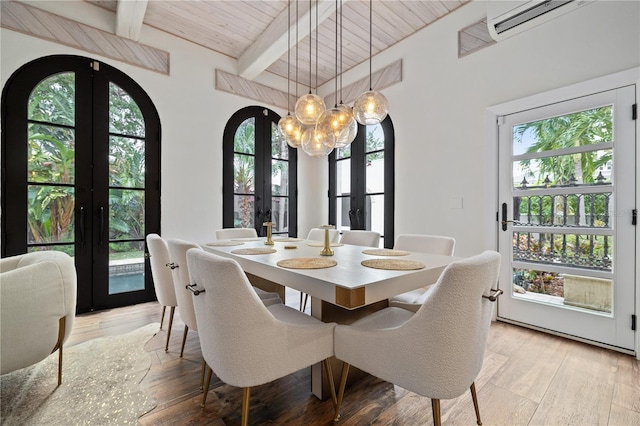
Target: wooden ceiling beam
{"x":129,"y":18}
{"x":272,"y":43}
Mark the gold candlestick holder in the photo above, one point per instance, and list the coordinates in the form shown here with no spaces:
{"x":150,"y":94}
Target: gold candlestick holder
{"x":326,"y":250}
{"x":269,"y":241}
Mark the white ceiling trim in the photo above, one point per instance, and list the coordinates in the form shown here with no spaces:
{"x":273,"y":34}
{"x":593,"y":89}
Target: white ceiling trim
{"x":129,"y":17}
{"x":272,"y":43}
{"x":236,"y":85}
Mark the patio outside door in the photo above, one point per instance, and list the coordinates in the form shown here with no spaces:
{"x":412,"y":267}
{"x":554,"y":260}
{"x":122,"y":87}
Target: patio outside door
{"x":567,"y":238}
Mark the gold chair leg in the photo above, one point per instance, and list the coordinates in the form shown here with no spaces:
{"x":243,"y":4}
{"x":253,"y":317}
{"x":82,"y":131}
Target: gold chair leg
{"x":474,"y":396}
{"x":184,"y":339}
{"x":164,"y":308}
{"x":204,"y":367}
{"x":435,"y":406}
{"x":245,"y":405}
{"x":327,"y":368}
{"x":304,"y":306}
{"x":61,"y":329}
{"x":301,"y":297}
{"x":206,"y":386}
{"x":173,"y":309}
{"x":343,"y":383}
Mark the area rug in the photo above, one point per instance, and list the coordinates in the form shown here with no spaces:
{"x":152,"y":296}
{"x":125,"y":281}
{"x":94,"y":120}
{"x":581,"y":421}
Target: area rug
{"x":100,"y":384}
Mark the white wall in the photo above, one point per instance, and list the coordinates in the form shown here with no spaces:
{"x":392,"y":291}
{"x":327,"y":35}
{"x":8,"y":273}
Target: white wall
{"x":438,"y":112}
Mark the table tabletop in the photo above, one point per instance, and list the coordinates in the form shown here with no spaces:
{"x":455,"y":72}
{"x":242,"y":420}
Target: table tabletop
{"x":349,"y":284}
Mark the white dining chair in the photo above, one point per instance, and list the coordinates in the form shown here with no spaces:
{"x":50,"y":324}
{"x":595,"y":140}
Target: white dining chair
{"x":317,"y":234}
{"x":229,"y":233}
{"x":432,"y":244}
{"x":244,"y":342}
{"x":361,"y":238}
{"x":162,"y":278}
{"x":437,"y":351}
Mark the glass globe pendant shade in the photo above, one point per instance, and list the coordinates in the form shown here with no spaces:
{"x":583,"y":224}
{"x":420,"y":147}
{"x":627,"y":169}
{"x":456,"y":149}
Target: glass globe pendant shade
{"x":295,"y":141}
{"x":370,"y":108}
{"x":336,"y":127}
{"x":289,"y":127}
{"x":349,"y":126}
{"x":312,"y":143}
{"x":308,"y":109}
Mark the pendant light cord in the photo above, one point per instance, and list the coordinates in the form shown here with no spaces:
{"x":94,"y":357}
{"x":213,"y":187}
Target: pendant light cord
{"x":370,"y":41}
{"x":310,"y":40}
{"x":289,"y":57}
{"x":341,"y":6}
{"x":336,"y":82}
{"x":317,"y":25}
{"x":297,"y":38}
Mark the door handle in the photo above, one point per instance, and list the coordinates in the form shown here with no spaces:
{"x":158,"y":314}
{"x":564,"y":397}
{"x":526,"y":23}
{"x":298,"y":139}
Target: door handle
{"x":82,"y":226}
{"x":101,"y":225}
{"x":358,"y":217}
{"x":504,"y":220}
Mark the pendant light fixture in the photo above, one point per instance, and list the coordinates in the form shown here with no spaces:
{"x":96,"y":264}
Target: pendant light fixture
{"x":312,"y":138}
{"x":289,"y":126}
{"x":371,"y":107}
{"x":336,"y":125}
{"x":310,"y":106}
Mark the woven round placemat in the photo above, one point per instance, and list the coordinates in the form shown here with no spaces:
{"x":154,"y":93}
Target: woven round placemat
{"x":385,"y":252}
{"x":246,"y":239}
{"x":393,"y":264}
{"x":321,"y":244}
{"x":225,"y":243}
{"x":307,"y":263}
{"x":258,"y":250}
{"x":286,"y":239}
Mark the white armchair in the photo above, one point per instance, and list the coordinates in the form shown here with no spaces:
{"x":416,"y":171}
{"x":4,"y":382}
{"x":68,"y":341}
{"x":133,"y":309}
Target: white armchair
{"x":38,"y":302}
{"x":436,"y":352}
{"x":245,"y":342}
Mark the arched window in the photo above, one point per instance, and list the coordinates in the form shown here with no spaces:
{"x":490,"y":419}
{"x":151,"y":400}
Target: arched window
{"x":81,"y":157}
{"x":259,"y":174}
{"x":361,"y":182}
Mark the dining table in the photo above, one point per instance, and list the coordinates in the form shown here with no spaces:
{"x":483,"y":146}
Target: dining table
{"x":349,"y":284}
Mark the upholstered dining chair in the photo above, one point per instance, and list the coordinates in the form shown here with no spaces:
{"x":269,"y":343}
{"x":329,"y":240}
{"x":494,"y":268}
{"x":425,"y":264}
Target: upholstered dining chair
{"x":245,"y":342}
{"x":162,"y":278}
{"x":317,"y":234}
{"x":433,"y":244}
{"x":361,"y":238}
{"x":229,"y":233}
{"x":436,"y":352}
{"x":37,"y":307}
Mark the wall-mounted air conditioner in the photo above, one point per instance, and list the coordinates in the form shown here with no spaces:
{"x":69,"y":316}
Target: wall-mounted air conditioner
{"x":507,"y":18}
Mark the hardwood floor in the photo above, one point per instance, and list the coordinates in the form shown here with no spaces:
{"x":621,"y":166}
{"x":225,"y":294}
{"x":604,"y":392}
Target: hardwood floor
{"x":528,"y":378}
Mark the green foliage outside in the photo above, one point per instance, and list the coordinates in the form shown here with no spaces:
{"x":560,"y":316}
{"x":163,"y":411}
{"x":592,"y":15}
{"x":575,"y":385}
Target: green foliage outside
{"x":51,"y":165}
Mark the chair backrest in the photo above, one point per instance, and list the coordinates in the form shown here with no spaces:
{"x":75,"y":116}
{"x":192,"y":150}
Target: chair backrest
{"x":433,"y":244}
{"x":228,"y":233}
{"x":317,"y":234}
{"x":178,"y":255}
{"x":36,"y":290}
{"x":162,"y":278}
{"x":236,"y":327}
{"x":452,"y":326}
{"x":361,"y":238}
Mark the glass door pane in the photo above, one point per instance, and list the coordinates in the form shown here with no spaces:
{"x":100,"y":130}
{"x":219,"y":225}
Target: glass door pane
{"x":51,"y":165}
{"x":126,"y":193}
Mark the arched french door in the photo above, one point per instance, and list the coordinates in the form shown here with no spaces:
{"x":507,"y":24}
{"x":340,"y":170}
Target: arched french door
{"x":80,"y":162}
{"x":259,"y":174}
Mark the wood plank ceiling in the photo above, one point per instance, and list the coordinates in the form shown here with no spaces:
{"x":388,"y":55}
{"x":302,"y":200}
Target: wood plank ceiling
{"x":254,"y":32}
